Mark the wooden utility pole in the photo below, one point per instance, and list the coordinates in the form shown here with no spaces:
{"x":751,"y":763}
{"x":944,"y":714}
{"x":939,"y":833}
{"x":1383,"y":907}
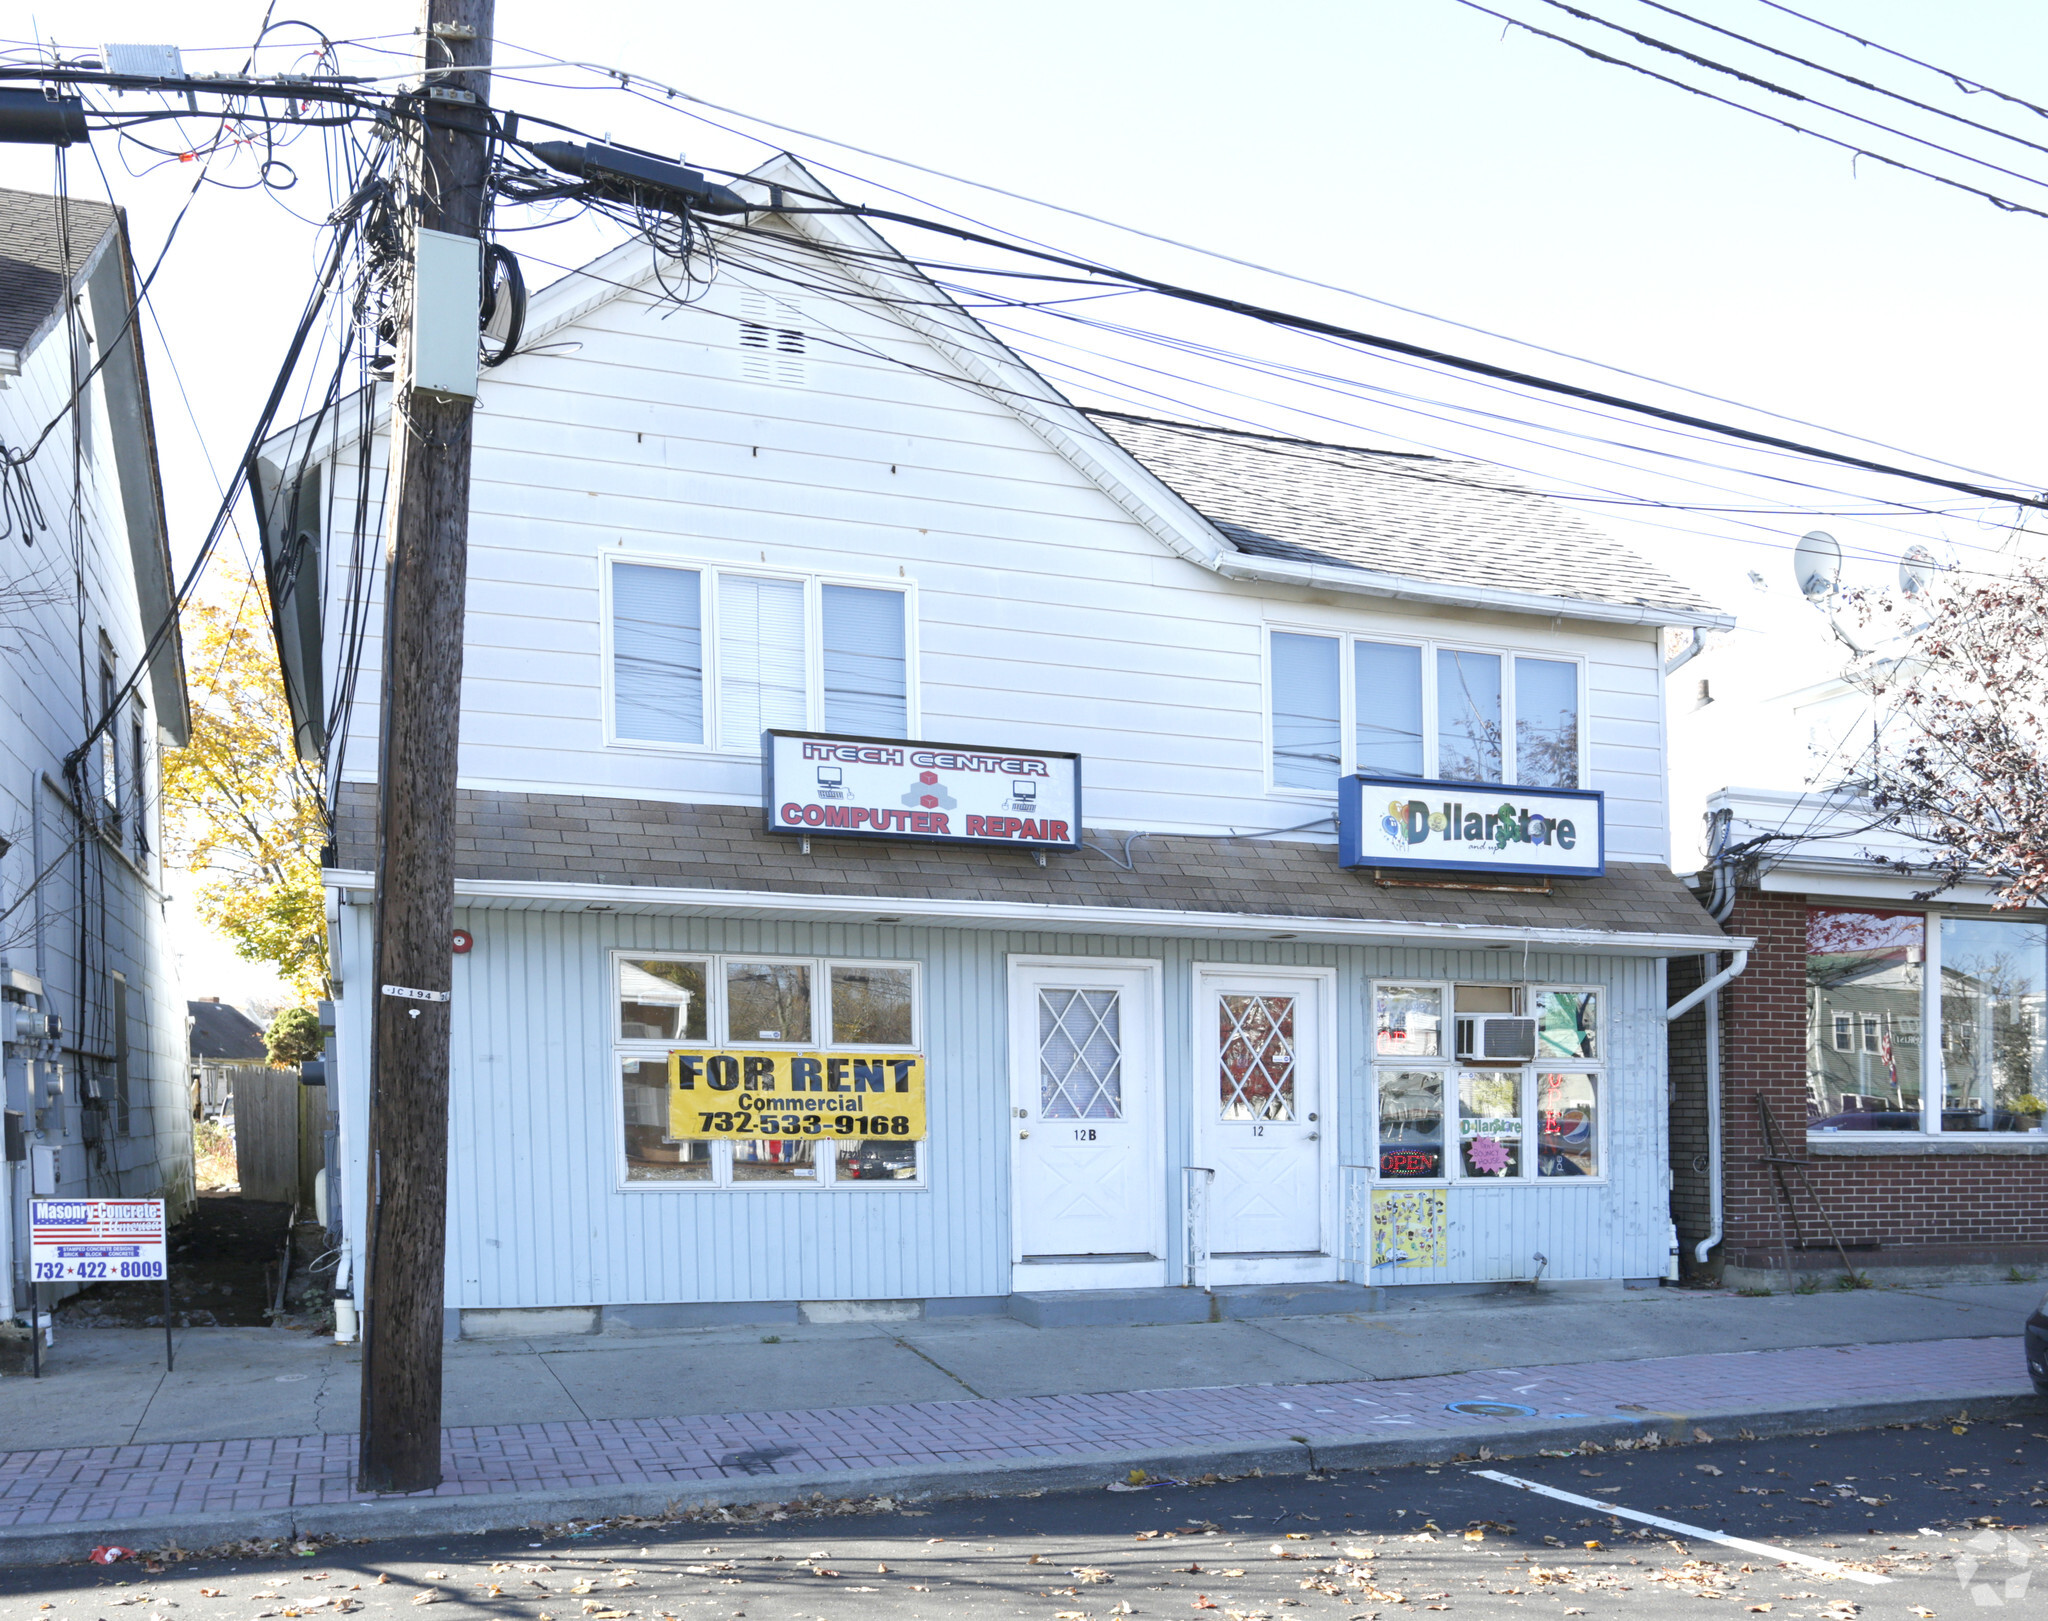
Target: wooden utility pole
{"x":447,"y":172}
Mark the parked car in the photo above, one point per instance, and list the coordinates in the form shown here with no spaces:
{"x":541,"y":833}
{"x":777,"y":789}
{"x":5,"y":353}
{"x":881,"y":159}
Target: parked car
{"x":2037,"y":1347}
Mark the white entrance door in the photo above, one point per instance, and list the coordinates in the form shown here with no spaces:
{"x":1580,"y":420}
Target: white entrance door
{"x":1088,"y":1205}
{"x":1262,"y":1069}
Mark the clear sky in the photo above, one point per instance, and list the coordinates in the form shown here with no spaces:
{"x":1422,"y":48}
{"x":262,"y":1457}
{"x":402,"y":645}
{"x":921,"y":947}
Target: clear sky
{"x":1411,"y":150}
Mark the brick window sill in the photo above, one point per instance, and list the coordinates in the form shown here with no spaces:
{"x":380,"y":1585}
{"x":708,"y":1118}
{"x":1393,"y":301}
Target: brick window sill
{"x":1891,"y":1144}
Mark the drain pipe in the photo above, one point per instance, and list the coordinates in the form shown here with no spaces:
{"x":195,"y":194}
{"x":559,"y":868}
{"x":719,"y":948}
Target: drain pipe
{"x":1719,"y":907}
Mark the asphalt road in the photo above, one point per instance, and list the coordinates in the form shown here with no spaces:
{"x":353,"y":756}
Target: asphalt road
{"x":1915,"y":1505}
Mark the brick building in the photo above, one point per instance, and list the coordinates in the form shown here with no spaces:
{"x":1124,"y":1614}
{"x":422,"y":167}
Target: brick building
{"x":1901,"y":1046}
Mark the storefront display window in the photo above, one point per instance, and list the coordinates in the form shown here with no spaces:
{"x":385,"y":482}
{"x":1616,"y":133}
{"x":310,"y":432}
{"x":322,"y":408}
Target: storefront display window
{"x":1490,"y":1123}
{"x":871,"y":1006}
{"x":1409,"y":1020}
{"x":751,"y":1003}
{"x":1499,"y":1110}
{"x":662,"y":1000}
{"x":1863,"y":987}
{"x":1875,"y":977}
{"x":1411,"y":1122}
{"x":1994,"y":993}
{"x":768,"y":1001}
{"x":1567,"y":1024}
{"x":1567,"y":1125}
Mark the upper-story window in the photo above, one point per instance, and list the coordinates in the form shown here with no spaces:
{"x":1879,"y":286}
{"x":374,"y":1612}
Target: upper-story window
{"x":713,"y":657}
{"x":1418,"y":709}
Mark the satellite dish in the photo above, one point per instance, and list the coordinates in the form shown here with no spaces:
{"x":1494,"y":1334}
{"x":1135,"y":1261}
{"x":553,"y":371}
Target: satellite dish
{"x":1817,"y":566}
{"x":1916,"y":569}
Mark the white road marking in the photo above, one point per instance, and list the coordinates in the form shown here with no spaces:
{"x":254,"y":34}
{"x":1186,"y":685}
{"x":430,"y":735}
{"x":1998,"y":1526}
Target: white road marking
{"x":1787,"y":1555}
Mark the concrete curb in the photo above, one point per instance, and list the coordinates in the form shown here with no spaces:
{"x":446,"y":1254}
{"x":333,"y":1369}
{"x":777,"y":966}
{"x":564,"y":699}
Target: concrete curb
{"x":500,"y":1511}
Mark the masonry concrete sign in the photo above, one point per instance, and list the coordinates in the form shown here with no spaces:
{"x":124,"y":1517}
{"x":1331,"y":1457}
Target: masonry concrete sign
{"x":1411,"y":822}
{"x":96,"y":1240}
{"x":937,"y":793}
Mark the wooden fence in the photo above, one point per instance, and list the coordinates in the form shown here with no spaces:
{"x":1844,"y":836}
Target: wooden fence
{"x":280,"y":1134}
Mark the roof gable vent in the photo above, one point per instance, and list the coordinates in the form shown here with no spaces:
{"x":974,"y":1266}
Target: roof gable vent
{"x":773,"y":344}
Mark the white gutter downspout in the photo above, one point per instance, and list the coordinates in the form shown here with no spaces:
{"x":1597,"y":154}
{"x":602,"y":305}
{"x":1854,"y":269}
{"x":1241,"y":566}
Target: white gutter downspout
{"x":1679,"y":1010}
{"x":1719,"y":907}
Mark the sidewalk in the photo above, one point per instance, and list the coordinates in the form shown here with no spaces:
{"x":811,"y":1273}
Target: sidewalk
{"x":538,"y":1465}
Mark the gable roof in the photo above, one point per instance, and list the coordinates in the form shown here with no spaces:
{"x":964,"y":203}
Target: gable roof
{"x":1244,"y":506}
{"x":226,"y":1033}
{"x":34,"y":257}
{"x":1392,"y":512}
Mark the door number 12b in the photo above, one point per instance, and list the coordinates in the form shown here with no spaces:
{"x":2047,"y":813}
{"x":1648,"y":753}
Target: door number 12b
{"x":1084,"y":1134}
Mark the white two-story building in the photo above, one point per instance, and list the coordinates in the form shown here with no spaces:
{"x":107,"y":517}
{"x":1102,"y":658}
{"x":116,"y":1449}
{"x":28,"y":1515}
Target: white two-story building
{"x":1035,"y":971}
{"x":92,"y":1024}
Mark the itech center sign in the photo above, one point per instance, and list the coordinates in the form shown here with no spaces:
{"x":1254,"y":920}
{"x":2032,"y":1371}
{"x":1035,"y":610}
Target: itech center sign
{"x":1407,"y":822}
{"x":942,"y":793}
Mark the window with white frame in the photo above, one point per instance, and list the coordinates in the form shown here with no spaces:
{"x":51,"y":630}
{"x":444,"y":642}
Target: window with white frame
{"x":712,"y":657}
{"x":1342,"y":703}
{"x":765,"y":1003}
{"x":1877,"y":977}
{"x":1440,"y":1118}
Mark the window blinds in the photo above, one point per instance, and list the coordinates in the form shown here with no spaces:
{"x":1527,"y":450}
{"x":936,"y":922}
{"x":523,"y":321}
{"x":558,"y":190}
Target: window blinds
{"x":866,"y":694}
{"x":657,"y":654}
{"x":761,"y":658}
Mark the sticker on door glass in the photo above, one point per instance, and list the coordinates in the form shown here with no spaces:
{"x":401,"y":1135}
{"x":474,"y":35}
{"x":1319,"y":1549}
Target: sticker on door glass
{"x":1410,"y":1227}
{"x":1080,"y":1055}
{"x":1255,"y":1069}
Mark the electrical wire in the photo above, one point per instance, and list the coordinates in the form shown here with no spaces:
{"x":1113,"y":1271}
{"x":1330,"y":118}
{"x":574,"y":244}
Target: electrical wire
{"x":1962,"y":82}
{"x":1629,"y":406}
{"x":1846,"y":78}
{"x":1712,"y":66}
{"x":1996,"y":201}
{"x":685,"y":103}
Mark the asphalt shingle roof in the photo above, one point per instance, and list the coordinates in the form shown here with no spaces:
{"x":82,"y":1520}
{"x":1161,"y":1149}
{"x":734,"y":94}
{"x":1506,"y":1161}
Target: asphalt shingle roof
{"x":33,"y":257}
{"x":1426,"y":518}
{"x":226,"y":1033}
{"x":555,"y":839}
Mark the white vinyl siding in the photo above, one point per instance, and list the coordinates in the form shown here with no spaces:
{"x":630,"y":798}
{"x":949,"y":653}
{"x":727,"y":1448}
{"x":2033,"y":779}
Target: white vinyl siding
{"x":1038,"y":613}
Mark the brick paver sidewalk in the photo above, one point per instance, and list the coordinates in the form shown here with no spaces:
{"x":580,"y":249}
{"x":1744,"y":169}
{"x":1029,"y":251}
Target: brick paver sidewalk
{"x":86,"y":1485}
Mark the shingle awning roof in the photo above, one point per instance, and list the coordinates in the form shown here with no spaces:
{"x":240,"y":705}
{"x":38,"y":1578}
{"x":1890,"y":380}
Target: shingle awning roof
{"x":521,"y":848}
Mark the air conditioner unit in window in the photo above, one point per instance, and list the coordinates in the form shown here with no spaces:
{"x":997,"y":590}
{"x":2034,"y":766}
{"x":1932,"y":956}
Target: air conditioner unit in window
{"x":1496,"y":1038}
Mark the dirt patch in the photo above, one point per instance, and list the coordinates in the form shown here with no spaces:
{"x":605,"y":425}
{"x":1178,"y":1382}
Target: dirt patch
{"x":224,"y":1259}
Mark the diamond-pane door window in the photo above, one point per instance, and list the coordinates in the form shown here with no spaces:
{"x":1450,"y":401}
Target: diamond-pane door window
{"x":1256,"y":1071}
{"x":1080,"y":1055}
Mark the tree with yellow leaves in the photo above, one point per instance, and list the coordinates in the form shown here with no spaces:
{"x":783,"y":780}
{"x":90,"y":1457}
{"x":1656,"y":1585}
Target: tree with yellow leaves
{"x":240,"y":807}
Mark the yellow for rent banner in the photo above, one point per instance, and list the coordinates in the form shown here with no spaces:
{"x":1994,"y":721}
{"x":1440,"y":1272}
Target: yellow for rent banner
{"x":715,"y":1092}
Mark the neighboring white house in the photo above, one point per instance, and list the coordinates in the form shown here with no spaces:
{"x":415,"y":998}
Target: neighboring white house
{"x":96,"y":1101}
{"x":1149,"y":1037}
